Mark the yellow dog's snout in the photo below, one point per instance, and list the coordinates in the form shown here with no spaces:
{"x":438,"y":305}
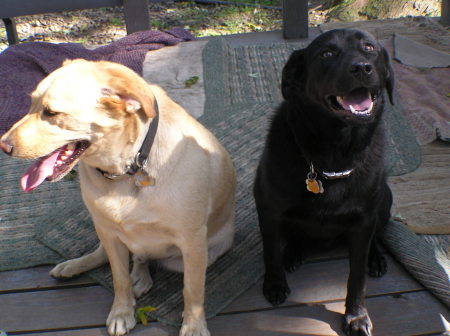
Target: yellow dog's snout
{"x":6,"y":146}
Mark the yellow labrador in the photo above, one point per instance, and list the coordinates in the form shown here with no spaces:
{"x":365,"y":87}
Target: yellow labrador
{"x":156,"y":183}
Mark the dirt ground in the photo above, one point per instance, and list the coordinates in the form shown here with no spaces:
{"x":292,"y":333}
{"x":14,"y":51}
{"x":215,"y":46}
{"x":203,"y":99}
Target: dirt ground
{"x":104,"y":25}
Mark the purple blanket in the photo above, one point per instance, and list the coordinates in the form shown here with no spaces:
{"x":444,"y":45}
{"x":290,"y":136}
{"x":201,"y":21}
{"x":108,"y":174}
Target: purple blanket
{"x":23,"y":66}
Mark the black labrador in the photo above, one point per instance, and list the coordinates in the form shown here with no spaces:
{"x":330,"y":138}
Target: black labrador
{"x":321,"y":175}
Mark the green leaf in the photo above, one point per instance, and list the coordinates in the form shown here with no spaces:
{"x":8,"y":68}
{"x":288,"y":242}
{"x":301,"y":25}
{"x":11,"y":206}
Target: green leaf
{"x":140,"y":314}
{"x":147,"y":309}
{"x":191,"y":81}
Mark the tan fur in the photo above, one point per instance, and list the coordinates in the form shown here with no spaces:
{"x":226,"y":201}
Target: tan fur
{"x":189,"y":212}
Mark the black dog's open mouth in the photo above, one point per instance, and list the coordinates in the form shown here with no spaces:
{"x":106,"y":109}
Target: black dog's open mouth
{"x":54,"y":166}
{"x":359,"y":102}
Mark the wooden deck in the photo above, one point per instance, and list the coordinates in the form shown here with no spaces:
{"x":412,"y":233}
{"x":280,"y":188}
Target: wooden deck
{"x":31,"y":302}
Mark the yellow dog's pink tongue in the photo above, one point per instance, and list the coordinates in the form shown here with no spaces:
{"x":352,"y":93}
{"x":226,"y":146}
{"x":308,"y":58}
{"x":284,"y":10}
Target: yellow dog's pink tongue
{"x":38,"y":172}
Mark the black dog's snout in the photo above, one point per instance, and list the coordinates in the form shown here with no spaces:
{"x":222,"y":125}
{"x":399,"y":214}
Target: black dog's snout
{"x":361,"y":68}
{"x":6,"y":147}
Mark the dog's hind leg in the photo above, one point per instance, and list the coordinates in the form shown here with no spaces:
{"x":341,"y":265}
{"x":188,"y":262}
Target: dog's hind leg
{"x":292,"y":255}
{"x":377,"y":262}
{"x":140,"y":275}
{"x":73,"y":267}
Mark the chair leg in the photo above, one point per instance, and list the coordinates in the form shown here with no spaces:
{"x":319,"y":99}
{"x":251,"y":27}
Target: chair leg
{"x":295,"y":19}
{"x":11,"y":32}
{"x":445,"y":13}
{"x":137,"y":17}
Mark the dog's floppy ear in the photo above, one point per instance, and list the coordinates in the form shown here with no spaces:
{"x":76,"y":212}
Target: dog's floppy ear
{"x":389,"y":76}
{"x":129,"y":92}
{"x":292,"y":72}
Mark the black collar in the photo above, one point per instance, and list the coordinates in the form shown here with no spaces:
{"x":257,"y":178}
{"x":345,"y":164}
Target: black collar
{"x":142,"y":155}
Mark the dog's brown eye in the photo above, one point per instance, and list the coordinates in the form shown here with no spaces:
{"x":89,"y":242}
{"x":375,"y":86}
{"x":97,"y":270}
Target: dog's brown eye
{"x":368,"y":47}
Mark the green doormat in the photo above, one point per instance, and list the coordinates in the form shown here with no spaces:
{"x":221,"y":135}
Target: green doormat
{"x":54,"y":213}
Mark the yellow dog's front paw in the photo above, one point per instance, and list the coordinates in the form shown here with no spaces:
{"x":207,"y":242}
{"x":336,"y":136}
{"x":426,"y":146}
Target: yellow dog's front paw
{"x":120,"y":322}
{"x":194,"y":328}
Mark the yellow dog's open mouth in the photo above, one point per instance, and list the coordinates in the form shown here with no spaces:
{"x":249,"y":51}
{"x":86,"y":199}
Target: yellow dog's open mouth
{"x":54,"y":166}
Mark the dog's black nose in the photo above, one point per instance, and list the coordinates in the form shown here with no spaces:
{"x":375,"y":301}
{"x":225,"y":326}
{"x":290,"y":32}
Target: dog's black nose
{"x":6,"y":147}
{"x":361,"y":68}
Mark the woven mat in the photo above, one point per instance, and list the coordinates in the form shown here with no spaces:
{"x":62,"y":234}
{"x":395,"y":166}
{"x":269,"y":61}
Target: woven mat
{"x":425,"y":257}
{"x":421,"y":198}
{"x":240,"y":121}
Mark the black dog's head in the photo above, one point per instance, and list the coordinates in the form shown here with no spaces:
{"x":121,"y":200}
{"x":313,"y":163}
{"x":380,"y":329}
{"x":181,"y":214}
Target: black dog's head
{"x":344,"y":71}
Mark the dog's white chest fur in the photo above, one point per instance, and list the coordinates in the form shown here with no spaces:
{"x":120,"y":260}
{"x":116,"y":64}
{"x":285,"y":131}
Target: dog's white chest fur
{"x":129,"y":213}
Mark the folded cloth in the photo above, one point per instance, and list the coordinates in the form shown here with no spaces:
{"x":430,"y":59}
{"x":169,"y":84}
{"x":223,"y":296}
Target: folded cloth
{"x":23,"y":66}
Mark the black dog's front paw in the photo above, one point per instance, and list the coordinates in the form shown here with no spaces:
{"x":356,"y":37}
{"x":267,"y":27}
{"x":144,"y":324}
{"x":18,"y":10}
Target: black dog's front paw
{"x":377,"y":266}
{"x":276,"y":292}
{"x":357,"y":325}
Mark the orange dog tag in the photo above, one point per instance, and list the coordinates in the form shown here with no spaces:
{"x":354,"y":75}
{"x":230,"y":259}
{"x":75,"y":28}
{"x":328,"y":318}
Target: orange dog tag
{"x":142,"y":179}
{"x":313,"y":184}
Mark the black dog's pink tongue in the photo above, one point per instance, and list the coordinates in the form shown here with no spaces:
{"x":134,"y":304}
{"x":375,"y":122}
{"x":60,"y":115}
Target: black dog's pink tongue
{"x":38,"y":172}
{"x":359,"y":99}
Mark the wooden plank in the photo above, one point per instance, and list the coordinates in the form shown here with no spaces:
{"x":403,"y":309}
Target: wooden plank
{"x":407,"y":314}
{"x":37,"y":278}
{"x":326,"y":281}
{"x":136,"y":11}
{"x":152,"y":329}
{"x":445,"y":13}
{"x":54,"y":309}
{"x":312,"y":283}
{"x":11,"y":32}
{"x":12,"y":8}
{"x":295,"y":19}
{"x":421,"y":197}
{"x":137,"y":16}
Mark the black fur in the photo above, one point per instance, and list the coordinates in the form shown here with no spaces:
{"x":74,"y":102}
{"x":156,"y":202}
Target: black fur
{"x":307,"y":128}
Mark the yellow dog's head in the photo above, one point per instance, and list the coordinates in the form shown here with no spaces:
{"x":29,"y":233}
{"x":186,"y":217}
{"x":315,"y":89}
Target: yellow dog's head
{"x":83,"y":109}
